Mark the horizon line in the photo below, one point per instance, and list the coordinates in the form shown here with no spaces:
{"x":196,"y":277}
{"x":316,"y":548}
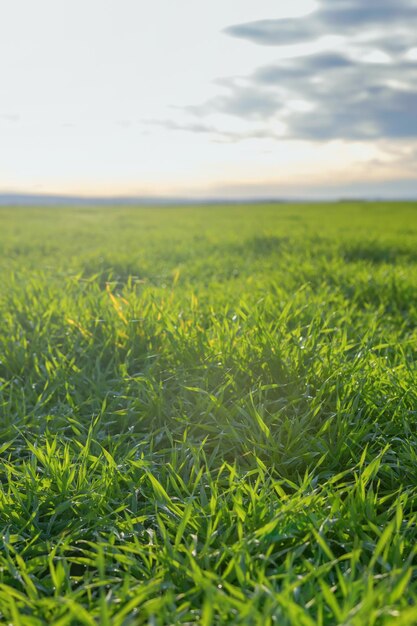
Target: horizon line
{"x":79,"y":199}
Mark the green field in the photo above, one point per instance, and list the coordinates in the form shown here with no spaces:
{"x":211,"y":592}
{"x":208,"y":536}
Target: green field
{"x":209,"y":415}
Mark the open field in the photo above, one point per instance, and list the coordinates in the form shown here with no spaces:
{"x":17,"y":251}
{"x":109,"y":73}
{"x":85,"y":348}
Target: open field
{"x":209,"y":415}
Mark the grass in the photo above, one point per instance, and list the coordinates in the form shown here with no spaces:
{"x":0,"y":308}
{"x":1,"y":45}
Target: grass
{"x":208,"y":415}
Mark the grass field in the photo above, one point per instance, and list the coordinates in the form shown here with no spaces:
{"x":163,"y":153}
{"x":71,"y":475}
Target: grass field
{"x":209,"y":415}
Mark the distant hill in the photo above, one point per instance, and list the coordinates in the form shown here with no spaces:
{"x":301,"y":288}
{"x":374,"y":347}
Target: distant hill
{"x":26,"y":199}
{"x":17,"y":199}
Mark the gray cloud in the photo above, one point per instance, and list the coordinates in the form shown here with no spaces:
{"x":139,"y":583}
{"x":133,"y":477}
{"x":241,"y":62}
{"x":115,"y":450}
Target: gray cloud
{"x":218,"y":134}
{"x":379,"y":112}
{"x":306,"y":67}
{"x":346,"y":95}
{"x":188,"y":127}
{"x":333,"y":17}
{"x":327,"y":95}
{"x":346,"y":98}
{"x":279,"y":32}
{"x":245,"y":102}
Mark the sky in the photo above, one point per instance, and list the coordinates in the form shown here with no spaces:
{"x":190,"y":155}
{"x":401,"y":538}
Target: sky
{"x":219,"y":99}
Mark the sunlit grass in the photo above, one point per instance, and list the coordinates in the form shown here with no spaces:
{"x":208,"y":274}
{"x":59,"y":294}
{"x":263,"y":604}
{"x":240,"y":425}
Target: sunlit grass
{"x":208,"y":415}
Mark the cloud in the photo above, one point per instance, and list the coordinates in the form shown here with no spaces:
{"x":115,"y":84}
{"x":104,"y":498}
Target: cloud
{"x":218,"y":135}
{"x":347,"y":98}
{"x":321,"y":97}
{"x":188,"y":127}
{"x":304,"y":67}
{"x":333,"y":17}
{"x":241,"y":101}
{"x":378,"y":112}
{"x":279,"y":32}
{"x":366,"y":89}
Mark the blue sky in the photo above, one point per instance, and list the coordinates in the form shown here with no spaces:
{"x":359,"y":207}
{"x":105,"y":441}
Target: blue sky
{"x":234,"y":99}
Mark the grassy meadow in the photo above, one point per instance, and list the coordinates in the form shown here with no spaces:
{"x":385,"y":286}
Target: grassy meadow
{"x":209,"y":415}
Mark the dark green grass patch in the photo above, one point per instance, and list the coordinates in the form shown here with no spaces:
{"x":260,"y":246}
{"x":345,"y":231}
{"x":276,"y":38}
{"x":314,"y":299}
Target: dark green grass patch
{"x":209,"y":415}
